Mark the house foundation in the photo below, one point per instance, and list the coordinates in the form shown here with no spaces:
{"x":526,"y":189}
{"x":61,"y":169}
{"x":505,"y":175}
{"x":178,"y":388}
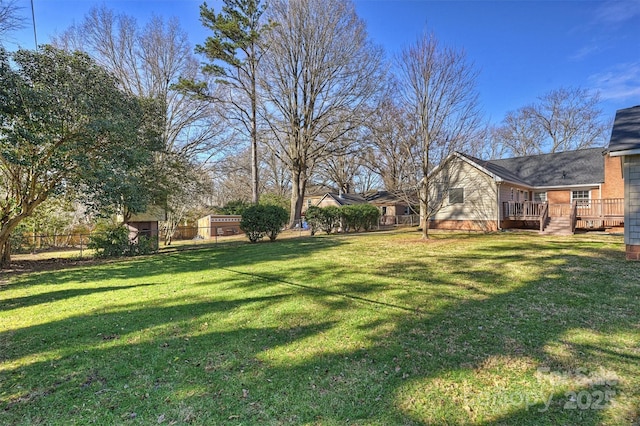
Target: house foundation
{"x":633,"y":252}
{"x":464,"y":225}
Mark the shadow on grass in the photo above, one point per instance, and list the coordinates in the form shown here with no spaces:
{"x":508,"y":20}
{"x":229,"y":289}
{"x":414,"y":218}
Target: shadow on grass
{"x":427,"y":341}
{"x":53,"y":296}
{"x":208,"y":260}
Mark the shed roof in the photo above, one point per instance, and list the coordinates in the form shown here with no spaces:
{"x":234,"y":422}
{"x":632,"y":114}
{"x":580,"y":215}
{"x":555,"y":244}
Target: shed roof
{"x":625,"y":135}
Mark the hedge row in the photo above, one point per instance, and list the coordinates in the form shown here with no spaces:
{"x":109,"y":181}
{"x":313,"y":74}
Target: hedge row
{"x":354,"y":217}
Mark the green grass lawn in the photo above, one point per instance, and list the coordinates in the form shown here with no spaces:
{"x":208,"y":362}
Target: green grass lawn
{"x":366,"y":329}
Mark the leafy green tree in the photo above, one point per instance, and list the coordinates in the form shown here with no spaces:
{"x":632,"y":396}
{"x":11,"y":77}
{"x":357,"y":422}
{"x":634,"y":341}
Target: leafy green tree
{"x":235,"y":52}
{"x":64,"y":124}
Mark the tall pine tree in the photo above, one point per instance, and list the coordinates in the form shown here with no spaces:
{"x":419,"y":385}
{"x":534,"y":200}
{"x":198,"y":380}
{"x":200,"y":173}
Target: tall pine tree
{"x":234,"y":52}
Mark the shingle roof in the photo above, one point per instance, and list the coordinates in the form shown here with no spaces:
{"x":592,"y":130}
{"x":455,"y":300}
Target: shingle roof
{"x":384,"y":197}
{"x":569,"y":168}
{"x":346,"y":199}
{"x":626,"y":130}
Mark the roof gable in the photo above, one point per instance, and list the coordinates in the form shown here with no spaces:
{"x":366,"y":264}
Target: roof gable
{"x":625,"y":135}
{"x":344,"y":199}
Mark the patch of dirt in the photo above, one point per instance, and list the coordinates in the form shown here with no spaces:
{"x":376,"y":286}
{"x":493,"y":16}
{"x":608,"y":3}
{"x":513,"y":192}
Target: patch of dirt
{"x":23,"y":266}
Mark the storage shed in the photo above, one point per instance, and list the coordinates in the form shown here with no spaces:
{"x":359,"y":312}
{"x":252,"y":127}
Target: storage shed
{"x":219,"y":225}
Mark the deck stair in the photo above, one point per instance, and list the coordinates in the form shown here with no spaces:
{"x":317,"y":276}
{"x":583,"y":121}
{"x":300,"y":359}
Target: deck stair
{"x":559,"y":225}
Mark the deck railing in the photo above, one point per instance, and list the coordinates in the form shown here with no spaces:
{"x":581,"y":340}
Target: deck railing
{"x":573,"y":216}
{"x":560,"y":209}
{"x":524,"y":210}
{"x":597,"y":213}
{"x":607,"y":208}
{"x":544,"y":215}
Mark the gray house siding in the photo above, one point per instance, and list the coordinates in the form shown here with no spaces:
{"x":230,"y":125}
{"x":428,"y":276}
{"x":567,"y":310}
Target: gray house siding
{"x":632,"y":193}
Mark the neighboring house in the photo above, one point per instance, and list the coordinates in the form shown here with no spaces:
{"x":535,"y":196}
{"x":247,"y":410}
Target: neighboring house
{"x":313,"y":196}
{"x":220,"y":225}
{"x":551,"y":192}
{"x":394,"y":210}
{"x":340,"y":199}
{"x":625,"y":146}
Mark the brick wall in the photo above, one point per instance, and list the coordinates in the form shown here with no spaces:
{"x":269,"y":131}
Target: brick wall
{"x":632,"y":206}
{"x":559,"y":197}
{"x":613,"y":186}
{"x":464,"y":225}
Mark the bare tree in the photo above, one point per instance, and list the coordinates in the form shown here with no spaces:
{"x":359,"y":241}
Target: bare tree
{"x":561,"y":120}
{"x":231,"y":179}
{"x":148,"y":61}
{"x":520,"y":133}
{"x":10,"y":18}
{"x":277,"y":177}
{"x":391,"y":135}
{"x":438,"y":89}
{"x":320,"y":73}
{"x":343,"y":168}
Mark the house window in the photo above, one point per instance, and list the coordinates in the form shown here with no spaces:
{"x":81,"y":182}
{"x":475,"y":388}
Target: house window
{"x":540,"y":197}
{"x":456,"y":195}
{"x":582,"y":197}
{"x":407,"y":211}
{"x":384,"y":210}
{"x":308,"y":202}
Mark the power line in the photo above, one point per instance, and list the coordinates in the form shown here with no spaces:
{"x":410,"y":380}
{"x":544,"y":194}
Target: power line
{"x":33,"y":19}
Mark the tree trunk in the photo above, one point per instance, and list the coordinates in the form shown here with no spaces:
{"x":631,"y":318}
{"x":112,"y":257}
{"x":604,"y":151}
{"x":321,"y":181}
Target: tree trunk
{"x":255,"y":194}
{"x":298,"y":184}
{"x":5,"y":257}
{"x":424,"y":209}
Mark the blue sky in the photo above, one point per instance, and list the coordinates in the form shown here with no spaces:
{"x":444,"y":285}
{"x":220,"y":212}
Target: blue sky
{"x":521,"y":48}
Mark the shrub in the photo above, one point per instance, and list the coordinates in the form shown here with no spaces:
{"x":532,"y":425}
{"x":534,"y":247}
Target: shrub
{"x":369,"y":216}
{"x":113,"y":241}
{"x":258,"y":221}
{"x":275,"y":219}
{"x":359,"y":217}
{"x":330,"y":218}
{"x":313,"y":217}
{"x":110,"y":241}
{"x":251,"y":223}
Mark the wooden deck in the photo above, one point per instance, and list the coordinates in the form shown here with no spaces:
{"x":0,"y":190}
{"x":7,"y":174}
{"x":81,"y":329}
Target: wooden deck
{"x":586,"y":214}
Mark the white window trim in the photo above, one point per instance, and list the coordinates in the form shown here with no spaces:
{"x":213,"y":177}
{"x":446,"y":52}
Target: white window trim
{"x":540,"y":199}
{"x":582,"y":202}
